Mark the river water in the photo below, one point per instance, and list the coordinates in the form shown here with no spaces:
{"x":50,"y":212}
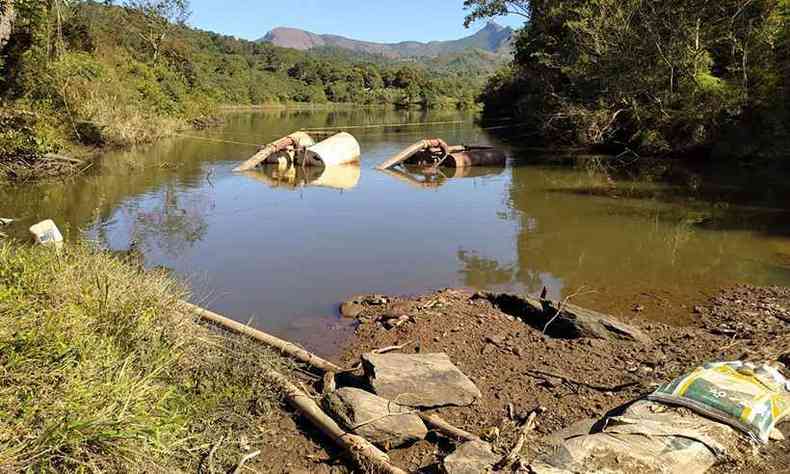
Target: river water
{"x":282,"y":251}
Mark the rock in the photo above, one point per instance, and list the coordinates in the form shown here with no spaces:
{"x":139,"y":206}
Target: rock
{"x":785,"y":359}
{"x":380,"y":421}
{"x":473,"y":457}
{"x":419,"y":380}
{"x":580,"y":428}
{"x":4,"y":221}
{"x":47,"y":233}
{"x":498,"y":341}
{"x":572,"y":322}
{"x":351,"y":309}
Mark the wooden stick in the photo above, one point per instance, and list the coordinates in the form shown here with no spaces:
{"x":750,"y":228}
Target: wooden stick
{"x":368,"y":457}
{"x":439,"y":424}
{"x":244,"y":460}
{"x":515,"y":453}
{"x":285,"y":347}
{"x":600,"y":388}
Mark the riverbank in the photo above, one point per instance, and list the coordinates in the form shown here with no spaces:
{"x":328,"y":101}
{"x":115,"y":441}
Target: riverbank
{"x":102,"y":371}
{"x":517,"y":368}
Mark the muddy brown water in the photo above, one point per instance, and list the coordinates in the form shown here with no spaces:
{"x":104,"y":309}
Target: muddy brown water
{"x":280,"y":250}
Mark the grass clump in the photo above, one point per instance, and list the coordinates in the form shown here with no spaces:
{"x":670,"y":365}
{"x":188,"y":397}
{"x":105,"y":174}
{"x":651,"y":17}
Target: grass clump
{"x":101,"y":372}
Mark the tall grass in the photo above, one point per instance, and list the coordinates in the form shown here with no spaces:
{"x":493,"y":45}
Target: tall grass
{"x":100,"y":372}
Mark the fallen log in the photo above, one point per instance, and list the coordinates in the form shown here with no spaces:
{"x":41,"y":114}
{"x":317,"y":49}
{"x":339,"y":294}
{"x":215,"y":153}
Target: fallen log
{"x":287,"y":348}
{"x":368,"y":457}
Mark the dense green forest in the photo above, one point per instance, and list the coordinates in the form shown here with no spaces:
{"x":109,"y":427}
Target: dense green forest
{"x":648,"y":77}
{"x":103,"y":74}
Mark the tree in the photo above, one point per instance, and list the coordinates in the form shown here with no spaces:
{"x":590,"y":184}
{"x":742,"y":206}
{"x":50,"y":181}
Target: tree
{"x":653,"y":76}
{"x":481,"y":9}
{"x":152,"y":20}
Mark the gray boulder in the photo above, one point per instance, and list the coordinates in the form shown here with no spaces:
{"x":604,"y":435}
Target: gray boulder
{"x":419,"y":380}
{"x":380,"y":421}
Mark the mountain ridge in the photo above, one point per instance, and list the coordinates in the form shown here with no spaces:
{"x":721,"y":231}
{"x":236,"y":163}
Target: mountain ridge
{"x":493,"y":38}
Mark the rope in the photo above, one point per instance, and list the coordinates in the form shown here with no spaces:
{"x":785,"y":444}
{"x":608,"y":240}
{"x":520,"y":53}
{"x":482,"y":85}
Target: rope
{"x":384,"y":125}
{"x":216,"y":140}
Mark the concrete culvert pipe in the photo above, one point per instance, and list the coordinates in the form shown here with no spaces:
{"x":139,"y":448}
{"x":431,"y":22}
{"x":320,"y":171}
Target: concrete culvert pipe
{"x":338,"y":149}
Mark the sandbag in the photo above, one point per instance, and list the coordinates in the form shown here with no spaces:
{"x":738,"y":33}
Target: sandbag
{"x":751,"y":398}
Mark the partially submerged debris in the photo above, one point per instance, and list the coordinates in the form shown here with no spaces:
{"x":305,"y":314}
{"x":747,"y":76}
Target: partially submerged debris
{"x":300,"y":149}
{"x":436,"y":152}
{"x":419,"y":380}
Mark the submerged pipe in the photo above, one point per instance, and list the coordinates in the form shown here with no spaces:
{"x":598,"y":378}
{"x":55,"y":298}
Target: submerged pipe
{"x":294,"y":140}
{"x":412,"y":150}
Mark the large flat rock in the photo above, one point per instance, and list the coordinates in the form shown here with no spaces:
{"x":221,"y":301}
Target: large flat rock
{"x":380,"y":421}
{"x":419,"y":380}
{"x":474,"y":457}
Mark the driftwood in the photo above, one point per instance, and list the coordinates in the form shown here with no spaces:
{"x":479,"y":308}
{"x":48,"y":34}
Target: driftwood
{"x":67,"y":159}
{"x":368,"y":457}
{"x":287,"y":348}
{"x":437,"y":423}
{"x":515,"y":453}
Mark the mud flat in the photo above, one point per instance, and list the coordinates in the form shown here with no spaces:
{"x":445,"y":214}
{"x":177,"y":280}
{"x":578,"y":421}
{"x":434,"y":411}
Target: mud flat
{"x":572,"y":379}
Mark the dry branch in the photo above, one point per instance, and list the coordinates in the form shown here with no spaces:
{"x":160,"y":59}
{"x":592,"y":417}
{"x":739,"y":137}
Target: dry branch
{"x":436,"y":423}
{"x":285,"y":347}
{"x":365,"y":455}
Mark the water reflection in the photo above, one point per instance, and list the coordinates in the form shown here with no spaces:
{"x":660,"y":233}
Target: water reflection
{"x":432,"y":178}
{"x":285,"y":259}
{"x":293,"y":177}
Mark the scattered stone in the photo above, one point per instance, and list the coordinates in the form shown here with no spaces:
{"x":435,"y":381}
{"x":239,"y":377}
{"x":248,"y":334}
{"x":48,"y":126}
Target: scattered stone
{"x":351,"y":309}
{"x":639,"y":308}
{"x":498,"y":341}
{"x":473,"y":457}
{"x":419,"y":380}
{"x":380,"y":421}
{"x":698,"y":309}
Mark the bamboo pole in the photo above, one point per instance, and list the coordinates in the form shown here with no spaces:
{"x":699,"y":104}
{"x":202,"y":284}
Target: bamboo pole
{"x":285,"y":347}
{"x":368,"y":457}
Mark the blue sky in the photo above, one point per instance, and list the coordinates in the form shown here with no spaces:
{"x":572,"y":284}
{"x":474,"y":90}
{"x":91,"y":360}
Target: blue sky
{"x":371,"y":20}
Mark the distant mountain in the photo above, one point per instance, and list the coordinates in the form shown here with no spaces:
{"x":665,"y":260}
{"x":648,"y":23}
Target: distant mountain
{"x":493,"y":38}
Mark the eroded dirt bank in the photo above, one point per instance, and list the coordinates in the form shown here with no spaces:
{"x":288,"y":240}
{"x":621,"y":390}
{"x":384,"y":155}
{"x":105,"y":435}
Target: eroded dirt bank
{"x":515,"y":365}
{"x":519,"y":369}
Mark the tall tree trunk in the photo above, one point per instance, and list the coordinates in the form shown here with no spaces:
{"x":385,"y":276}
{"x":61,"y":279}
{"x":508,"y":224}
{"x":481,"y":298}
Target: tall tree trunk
{"x":6,"y":20}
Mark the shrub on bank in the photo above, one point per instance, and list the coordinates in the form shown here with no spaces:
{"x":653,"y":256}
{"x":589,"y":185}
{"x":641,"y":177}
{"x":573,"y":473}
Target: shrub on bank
{"x":100,"y":371}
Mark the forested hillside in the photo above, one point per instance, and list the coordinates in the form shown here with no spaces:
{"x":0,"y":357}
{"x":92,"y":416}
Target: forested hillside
{"x":99,"y":74}
{"x":657,"y":77}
